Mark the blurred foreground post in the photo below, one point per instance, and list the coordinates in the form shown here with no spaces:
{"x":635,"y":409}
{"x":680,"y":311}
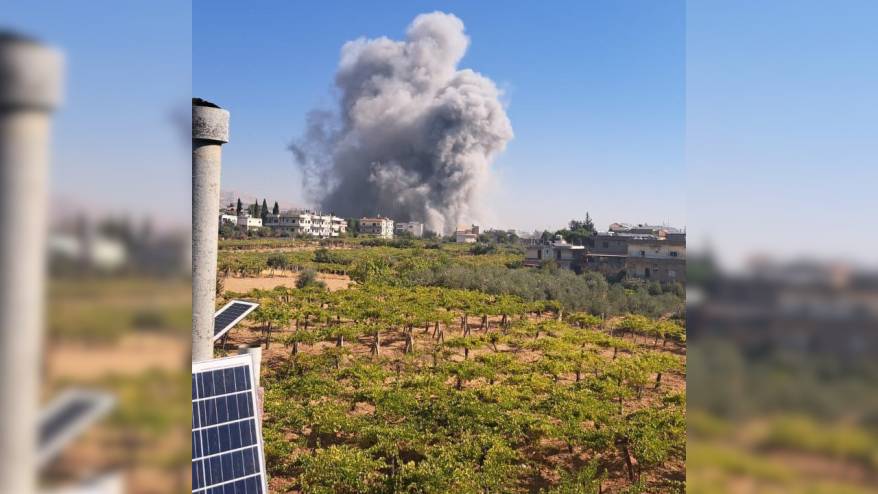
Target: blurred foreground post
{"x":210,"y":130}
{"x":30,"y":88}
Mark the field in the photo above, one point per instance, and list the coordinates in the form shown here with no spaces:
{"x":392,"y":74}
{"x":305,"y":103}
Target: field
{"x":450,"y":368}
{"x":128,"y":336}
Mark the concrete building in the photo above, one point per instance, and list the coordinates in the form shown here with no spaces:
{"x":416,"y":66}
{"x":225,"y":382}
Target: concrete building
{"x":378,"y":226}
{"x":657,"y":259}
{"x":226,"y":218}
{"x":307,"y":223}
{"x":415,"y":228}
{"x":650,"y":252}
{"x":607,"y":254}
{"x":247,"y":222}
{"x":567,"y":256}
{"x":467,"y":235}
{"x":653,"y":253}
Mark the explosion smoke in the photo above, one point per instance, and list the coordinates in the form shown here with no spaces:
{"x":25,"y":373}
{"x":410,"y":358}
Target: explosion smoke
{"x":414,"y":137}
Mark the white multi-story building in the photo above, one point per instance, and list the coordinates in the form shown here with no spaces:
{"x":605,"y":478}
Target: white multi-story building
{"x":307,"y":223}
{"x":415,"y":228}
{"x":379,"y":226}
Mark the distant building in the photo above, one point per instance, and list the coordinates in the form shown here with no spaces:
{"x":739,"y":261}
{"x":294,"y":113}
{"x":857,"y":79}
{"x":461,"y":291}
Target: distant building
{"x":654,"y":253}
{"x":247,"y":222}
{"x":228,"y":219}
{"x":378,"y":226}
{"x":307,"y":223}
{"x":657,"y":258}
{"x":566,"y":255}
{"x":415,"y":228}
{"x":643,"y":229}
{"x":467,"y":235}
{"x":95,"y":250}
{"x":650,"y":252}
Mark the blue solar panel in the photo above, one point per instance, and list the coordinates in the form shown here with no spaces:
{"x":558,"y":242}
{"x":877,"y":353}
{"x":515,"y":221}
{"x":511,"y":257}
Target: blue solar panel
{"x":232,"y":313}
{"x":227,"y":454}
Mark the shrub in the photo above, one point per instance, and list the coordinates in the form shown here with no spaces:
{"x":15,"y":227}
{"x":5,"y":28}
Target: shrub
{"x":308,"y":278}
{"x":277,"y":261}
{"x":482,"y":249}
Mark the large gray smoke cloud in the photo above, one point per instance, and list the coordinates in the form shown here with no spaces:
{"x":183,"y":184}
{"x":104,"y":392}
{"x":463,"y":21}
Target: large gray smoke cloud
{"x":414,"y":136}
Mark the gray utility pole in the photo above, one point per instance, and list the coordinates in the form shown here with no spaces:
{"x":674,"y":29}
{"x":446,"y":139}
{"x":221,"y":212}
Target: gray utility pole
{"x":30,"y":89}
{"x":210,"y":130}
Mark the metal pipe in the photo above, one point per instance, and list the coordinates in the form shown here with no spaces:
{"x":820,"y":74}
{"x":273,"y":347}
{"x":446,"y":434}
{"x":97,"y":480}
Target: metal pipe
{"x":30,"y":89}
{"x":210,"y":130}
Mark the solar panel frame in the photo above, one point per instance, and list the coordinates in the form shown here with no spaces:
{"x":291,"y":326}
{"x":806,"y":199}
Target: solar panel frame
{"x":251,"y":306}
{"x":204,"y":442}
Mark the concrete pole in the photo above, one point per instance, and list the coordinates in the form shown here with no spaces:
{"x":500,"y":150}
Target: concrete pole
{"x":30,"y":88}
{"x":255,"y":353}
{"x":210,"y":130}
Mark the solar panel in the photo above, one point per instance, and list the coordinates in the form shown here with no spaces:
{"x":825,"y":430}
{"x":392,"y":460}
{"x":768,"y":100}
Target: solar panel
{"x":227,"y":454}
{"x":66,"y":417}
{"x":226,"y":318}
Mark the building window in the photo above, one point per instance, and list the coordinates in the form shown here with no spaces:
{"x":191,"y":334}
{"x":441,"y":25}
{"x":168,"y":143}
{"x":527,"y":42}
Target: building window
{"x":643,"y":254}
{"x":672,"y":273}
{"x":673,"y":253}
{"x":606,"y":245}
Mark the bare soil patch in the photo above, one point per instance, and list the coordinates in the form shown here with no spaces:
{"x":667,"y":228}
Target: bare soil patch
{"x":132,"y":355}
{"x":268,"y":280}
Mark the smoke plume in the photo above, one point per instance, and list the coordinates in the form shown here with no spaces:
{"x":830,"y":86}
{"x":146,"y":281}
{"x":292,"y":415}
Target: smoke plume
{"x":413,"y":137}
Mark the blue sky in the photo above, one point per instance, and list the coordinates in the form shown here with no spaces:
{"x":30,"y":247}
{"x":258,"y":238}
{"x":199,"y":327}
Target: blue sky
{"x":773,"y":105}
{"x":781,"y":129}
{"x":595,"y":92}
{"x":116,"y":147}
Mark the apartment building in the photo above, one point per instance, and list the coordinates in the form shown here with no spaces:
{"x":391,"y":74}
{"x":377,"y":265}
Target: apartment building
{"x":307,"y":223}
{"x":378,"y":226}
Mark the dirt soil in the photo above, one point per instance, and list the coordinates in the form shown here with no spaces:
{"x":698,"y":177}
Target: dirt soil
{"x":132,"y":355}
{"x":268,"y":280}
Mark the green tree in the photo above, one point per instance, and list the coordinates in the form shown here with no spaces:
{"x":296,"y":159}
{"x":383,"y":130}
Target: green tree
{"x":275,"y":209}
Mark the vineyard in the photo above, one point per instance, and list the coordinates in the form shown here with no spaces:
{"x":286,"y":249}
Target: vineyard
{"x":442,"y":370}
